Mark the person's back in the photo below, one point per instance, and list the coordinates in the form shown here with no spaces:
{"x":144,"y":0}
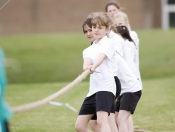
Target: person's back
{"x":118,"y":40}
{"x":5,"y":112}
{"x":130,"y":51}
{"x":127,"y":78}
{"x":130,"y":56}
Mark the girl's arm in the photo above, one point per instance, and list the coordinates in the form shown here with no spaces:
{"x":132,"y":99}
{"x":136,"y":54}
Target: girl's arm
{"x":87,"y":63}
{"x":100,"y":59}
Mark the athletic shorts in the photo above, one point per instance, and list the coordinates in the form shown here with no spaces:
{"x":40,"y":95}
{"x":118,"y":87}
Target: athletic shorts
{"x":128,"y":101}
{"x":112,"y":111}
{"x":100,"y":101}
{"x":118,"y":86}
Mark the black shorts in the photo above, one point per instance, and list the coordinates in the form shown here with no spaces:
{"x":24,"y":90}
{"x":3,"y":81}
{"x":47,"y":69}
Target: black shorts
{"x":112,"y":111}
{"x":128,"y":101}
{"x":118,"y":86}
{"x":100,"y":101}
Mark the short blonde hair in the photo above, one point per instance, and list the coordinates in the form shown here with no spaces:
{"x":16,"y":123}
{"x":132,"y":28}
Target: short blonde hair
{"x":102,"y":19}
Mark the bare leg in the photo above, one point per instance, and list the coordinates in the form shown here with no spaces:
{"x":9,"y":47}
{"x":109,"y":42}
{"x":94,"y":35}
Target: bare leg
{"x":116,"y":116}
{"x":112,"y":124}
{"x":122,"y":120}
{"x":81,"y":123}
{"x":111,"y":119}
{"x":130,"y":124}
{"x":102,"y":121}
{"x":93,"y":124}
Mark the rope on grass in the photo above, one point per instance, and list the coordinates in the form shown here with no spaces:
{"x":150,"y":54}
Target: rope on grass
{"x":44,"y":101}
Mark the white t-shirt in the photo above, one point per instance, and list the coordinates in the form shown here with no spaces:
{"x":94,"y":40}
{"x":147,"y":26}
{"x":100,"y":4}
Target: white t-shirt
{"x":129,"y":82}
{"x":118,"y":40}
{"x":103,"y":77}
{"x":130,"y":56}
{"x":135,"y":38}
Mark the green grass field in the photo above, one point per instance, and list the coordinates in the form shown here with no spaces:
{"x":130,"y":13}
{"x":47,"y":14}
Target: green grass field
{"x":49,"y":62}
{"x":58,"y":57}
{"x":155,"y":111}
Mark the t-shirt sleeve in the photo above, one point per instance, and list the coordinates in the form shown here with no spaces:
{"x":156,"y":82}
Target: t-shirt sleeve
{"x":135,"y":38}
{"x":118,"y":40}
{"x":118,"y":45}
{"x":86,"y":53}
{"x":132,"y":49}
{"x":108,"y":49}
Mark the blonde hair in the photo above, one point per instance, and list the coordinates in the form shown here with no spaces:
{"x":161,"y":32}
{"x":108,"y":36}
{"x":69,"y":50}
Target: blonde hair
{"x":102,"y":19}
{"x":91,"y":15}
{"x":121,"y":15}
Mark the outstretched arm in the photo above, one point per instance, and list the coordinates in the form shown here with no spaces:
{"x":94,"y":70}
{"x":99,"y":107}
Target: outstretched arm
{"x":100,"y":59}
{"x":87,"y":63}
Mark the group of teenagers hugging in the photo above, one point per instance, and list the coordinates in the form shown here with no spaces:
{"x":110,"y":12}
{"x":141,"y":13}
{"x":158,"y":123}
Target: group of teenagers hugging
{"x":115,"y":82}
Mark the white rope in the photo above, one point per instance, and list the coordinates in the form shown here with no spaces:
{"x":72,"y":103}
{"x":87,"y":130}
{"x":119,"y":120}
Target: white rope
{"x":44,"y":101}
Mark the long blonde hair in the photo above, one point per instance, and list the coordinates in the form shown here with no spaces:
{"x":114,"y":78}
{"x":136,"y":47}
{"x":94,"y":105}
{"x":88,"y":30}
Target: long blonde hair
{"x":121,"y":15}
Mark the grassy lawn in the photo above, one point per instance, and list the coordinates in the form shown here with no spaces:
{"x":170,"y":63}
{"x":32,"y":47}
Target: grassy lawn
{"x":40,"y":65}
{"x":58,"y":57}
{"x":155,"y":111}
{"x":156,"y":53}
{"x":44,"y":58}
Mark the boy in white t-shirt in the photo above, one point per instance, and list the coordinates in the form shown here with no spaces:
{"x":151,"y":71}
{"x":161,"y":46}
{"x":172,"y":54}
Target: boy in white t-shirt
{"x":102,"y":90}
{"x":87,"y":30}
